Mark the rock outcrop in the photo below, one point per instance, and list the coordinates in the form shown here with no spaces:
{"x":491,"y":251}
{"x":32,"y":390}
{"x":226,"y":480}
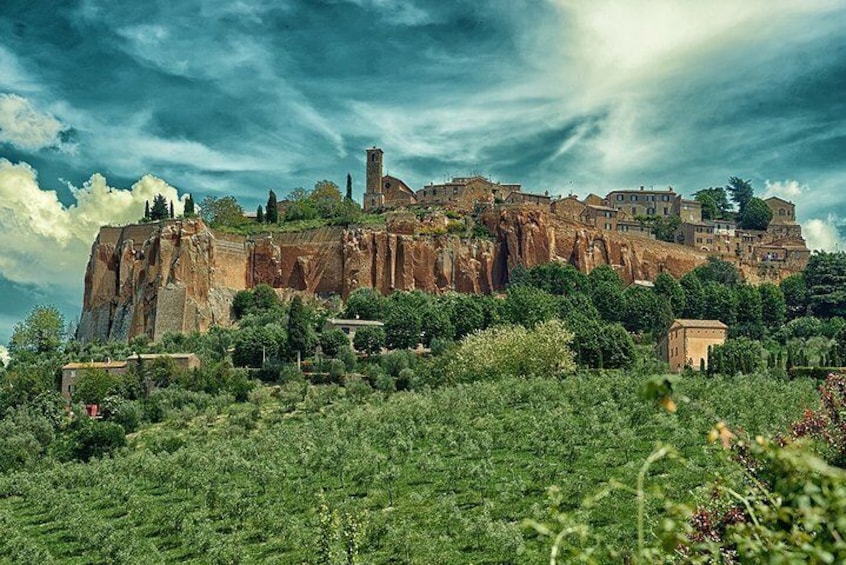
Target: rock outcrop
{"x":179,"y":275}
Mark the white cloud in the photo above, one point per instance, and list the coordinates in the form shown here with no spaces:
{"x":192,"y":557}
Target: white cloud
{"x":822,"y":234}
{"x":788,"y":189}
{"x":46,"y":243}
{"x":4,"y":356}
{"x":23,"y":126}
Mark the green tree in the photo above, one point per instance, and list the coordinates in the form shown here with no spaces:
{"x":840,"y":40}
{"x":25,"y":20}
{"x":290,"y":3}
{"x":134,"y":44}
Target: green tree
{"x":599,"y":345}
{"x":750,"y":315}
{"x":349,"y":187}
{"x":146,"y":209}
{"x":224,"y":211}
{"x":332,"y":341}
{"x":773,"y":305}
{"x":189,"y":207}
{"x":756,"y":215}
{"x":606,"y":292}
{"x":720,"y":303}
{"x":366,"y":304}
{"x":94,"y":385}
{"x":741,"y":192}
{"x":436,"y":324}
{"x":719,"y":271}
{"x":795,"y":292}
{"x":402,"y":327}
{"x":369,"y":339}
{"x":255,"y":346}
{"x":825,"y":278}
{"x":644,"y":311}
{"x":468,"y":315}
{"x":301,"y":336}
{"x":669,"y":288}
{"x":159,"y":211}
{"x":172,"y":215}
{"x":326,"y":198}
{"x":272,"y":215}
{"x":528,"y":306}
{"x":664,"y":229}
{"x":741,"y":355}
{"x":260,"y":214}
{"x":714,"y":202}
{"x":43,"y":331}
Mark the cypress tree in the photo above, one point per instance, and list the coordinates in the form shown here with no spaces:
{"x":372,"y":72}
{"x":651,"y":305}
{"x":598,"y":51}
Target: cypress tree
{"x":146,"y":209}
{"x":260,"y":215}
{"x":299,"y":334}
{"x":349,"y":187}
{"x":172,"y":215}
{"x":189,"y":207}
{"x":271,"y":210}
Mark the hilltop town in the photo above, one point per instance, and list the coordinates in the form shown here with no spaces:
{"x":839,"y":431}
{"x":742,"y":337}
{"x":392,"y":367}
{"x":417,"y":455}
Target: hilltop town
{"x":637,"y":212}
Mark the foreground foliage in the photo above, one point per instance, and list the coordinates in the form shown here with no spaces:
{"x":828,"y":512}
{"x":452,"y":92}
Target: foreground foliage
{"x":303,"y":471}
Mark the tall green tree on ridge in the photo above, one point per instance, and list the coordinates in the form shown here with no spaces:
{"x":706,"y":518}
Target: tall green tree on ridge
{"x":741,"y":192}
{"x":272,"y":209}
{"x":159,"y":211}
{"x":349,"y":187}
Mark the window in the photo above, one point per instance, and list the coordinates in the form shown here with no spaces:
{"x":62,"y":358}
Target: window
{"x":387,"y":185}
{"x":373,"y":157}
{"x":650,"y":211}
{"x":666,"y":211}
{"x":434,"y":192}
{"x":666,"y":198}
{"x":620,"y":197}
{"x":455,"y":190}
{"x":633,"y":198}
{"x":781,"y":211}
{"x":346,"y":330}
{"x":607,"y":226}
{"x":634,"y":211}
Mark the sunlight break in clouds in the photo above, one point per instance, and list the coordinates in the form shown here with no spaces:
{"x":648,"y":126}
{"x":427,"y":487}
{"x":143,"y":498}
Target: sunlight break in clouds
{"x":25,"y":127}
{"x":43,"y":242}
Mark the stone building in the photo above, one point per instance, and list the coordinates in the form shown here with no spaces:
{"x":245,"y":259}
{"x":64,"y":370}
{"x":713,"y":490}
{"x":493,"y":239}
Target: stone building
{"x":464,"y":192}
{"x":72,"y":371}
{"x":784,"y":211}
{"x":633,"y":203}
{"x":687,"y":342}
{"x":687,"y":210}
{"x":184,"y":361}
{"x":349,"y":327}
{"x":634,"y":228}
{"x":383,"y":191}
{"x":570,"y":207}
{"x":601,"y":217}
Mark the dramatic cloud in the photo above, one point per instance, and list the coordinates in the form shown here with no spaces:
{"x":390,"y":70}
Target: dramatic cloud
{"x":45,"y":243}
{"x":789,"y":189}
{"x":26,"y":128}
{"x":822,"y":234}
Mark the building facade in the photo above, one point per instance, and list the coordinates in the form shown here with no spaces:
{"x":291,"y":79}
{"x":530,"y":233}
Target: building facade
{"x":688,"y":341}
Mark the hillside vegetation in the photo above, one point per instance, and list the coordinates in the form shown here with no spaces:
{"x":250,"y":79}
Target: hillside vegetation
{"x":435,"y":476}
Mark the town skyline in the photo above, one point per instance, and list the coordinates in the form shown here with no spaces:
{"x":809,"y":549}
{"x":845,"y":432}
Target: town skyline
{"x":252,"y":96}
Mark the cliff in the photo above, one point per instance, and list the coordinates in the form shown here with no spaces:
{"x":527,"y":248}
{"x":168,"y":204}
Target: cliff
{"x":181,"y":276}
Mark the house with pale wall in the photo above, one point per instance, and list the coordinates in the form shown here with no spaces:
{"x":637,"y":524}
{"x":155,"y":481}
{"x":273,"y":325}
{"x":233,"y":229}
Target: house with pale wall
{"x":688,"y":342}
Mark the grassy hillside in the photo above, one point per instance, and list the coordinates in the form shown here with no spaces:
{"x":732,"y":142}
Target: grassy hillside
{"x":446,"y":476}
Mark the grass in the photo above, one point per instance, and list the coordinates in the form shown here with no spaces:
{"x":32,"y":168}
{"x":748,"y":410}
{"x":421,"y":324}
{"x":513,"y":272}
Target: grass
{"x":253,"y":228}
{"x":442,"y":476}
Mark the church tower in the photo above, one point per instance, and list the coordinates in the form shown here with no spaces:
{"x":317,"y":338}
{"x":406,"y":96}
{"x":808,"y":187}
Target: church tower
{"x":373,"y":196}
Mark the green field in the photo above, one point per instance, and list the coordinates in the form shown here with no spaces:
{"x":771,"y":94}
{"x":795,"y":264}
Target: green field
{"x":441,"y":476}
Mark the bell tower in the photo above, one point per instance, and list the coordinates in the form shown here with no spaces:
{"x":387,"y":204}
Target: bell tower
{"x":373,"y":196}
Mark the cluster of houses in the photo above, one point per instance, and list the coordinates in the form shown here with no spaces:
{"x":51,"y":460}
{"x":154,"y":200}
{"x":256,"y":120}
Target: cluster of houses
{"x":622,"y":211}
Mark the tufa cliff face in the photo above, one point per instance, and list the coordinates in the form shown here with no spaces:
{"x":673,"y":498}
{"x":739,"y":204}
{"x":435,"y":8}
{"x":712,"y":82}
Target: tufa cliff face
{"x":181,"y":276}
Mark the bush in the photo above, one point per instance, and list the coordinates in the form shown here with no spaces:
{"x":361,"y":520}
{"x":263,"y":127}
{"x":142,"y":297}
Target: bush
{"x":818,"y":373}
{"x":369,"y":340}
{"x":511,"y":350}
{"x":89,"y":438}
{"x":125,"y":413}
{"x":336,"y":370}
{"x":332,"y":341}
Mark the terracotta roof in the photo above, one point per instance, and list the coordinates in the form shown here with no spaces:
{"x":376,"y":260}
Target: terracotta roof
{"x":96,"y":365}
{"x":700,"y":324}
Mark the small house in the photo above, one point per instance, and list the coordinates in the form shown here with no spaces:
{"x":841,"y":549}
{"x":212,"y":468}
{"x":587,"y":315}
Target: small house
{"x":349,"y":327}
{"x":688,"y":341}
{"x":72,"y":371}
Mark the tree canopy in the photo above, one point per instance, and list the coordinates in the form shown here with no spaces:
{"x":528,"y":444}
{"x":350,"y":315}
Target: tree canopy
{"x":741,"y":192}
{"x":756,"y":215}
{"x":42,"y":331}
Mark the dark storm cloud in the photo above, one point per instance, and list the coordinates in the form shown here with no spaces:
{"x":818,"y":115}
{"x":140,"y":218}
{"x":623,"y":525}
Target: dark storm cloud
{"x":238,"y":97}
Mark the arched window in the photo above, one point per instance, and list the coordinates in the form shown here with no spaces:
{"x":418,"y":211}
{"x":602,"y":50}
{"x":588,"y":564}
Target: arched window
{"x":373,"y":157}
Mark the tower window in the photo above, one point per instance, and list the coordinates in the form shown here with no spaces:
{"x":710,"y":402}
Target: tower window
{"x":373,"y":157}
{"x":387,"y":185}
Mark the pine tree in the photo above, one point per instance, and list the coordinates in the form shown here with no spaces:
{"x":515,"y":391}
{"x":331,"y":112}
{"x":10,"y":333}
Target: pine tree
{"x":349,"y":187}
{"x":159,"y":210}
{"x":146,"y":209}
{"x":189,"y":207}
{"x":260,"y":214}
{"x":271,"y":211}
{"x":172,"y":215}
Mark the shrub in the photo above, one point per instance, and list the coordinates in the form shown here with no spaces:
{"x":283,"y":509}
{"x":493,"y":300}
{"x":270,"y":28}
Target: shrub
{"x":125,"y":413}
{"x":369,"y":340}
{"x":332,"y":341}
{"x":336,"y":370}
{"x":89,"y":438}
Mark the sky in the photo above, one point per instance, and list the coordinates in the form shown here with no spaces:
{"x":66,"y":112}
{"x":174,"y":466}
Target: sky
{"x":105,"y":103}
